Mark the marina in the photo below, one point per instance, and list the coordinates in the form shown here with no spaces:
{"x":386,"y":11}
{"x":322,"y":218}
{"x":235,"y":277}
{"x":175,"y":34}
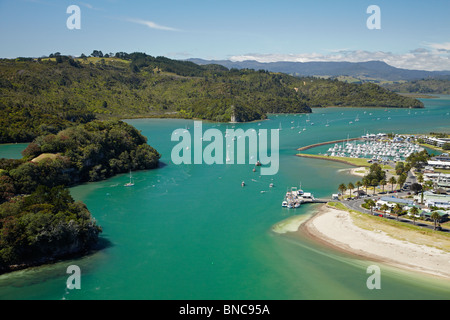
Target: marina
{"x":375,"y":147}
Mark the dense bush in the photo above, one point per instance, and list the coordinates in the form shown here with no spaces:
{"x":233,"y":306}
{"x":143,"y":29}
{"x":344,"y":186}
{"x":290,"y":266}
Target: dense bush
{"x":43,"y":226}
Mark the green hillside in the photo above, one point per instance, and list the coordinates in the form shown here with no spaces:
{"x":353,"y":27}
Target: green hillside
{"x":424,"y":86}
{"x":42,"y":96}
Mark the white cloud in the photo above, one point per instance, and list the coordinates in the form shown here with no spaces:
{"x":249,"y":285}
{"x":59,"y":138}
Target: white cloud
{"x":152,"y":24}
{"x":418,"y":59}
{"x":440,"y":46}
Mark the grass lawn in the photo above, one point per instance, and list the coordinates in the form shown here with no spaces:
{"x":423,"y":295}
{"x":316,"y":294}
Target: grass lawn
{"x":45,"y":156}
{"x":357,"y":162}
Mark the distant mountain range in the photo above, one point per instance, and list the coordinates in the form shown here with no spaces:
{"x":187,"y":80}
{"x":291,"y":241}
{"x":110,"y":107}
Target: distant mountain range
{"x":374,"y":71}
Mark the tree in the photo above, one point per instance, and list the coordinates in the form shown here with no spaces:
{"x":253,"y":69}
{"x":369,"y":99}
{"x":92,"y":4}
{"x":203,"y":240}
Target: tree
{"x":371,"y":204}
{"x":366,"y":183}
{"x":97,"y":54}
{"x":392,"y":181}
{"x":435,"y":216}
{"x":416,"y":188}
{"x":342,"y":187}
{"x":398,"y":210}
{"x":358,"y":185}
{"x":414,"y":211}
{"x":402,"y":179}
{"x":420,"y":178}
{"x":374,"y":184}
{"x":384,"y":207}
{"x":399,"y":168}
{"x":383,"y":183}
{"x":350,"y":187}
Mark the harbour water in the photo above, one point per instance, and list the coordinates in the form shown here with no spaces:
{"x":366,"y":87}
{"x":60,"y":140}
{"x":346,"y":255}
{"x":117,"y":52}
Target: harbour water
{"x":192,"y":231}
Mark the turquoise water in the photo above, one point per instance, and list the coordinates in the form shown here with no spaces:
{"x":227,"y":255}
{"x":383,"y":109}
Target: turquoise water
{"x":192,"y":231}
{"x":12,"y":151}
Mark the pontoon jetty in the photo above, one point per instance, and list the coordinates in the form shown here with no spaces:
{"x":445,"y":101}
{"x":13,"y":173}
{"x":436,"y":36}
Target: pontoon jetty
{"x":295,"y":197}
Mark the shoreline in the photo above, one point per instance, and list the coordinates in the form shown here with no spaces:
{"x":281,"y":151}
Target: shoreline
{"x":336,"y":229}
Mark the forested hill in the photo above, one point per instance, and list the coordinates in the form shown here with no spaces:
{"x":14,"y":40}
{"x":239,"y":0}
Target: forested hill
{"x":425,"y":86}
{"x":42,"y":96}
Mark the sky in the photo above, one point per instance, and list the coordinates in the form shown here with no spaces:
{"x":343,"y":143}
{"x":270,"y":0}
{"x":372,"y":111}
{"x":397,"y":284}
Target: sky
{"x":412,"y":35}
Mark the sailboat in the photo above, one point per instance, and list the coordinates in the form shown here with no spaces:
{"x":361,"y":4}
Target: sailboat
{"x":280,"y":128}
{"x":131,"y":183}
{"x":327,"y":125}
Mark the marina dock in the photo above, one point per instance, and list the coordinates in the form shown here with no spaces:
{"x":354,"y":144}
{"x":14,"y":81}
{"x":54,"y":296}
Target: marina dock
{"x":295,"y":197}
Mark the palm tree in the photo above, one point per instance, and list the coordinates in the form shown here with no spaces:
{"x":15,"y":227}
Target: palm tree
{"x":371,"y":204}
{"x":374,"y":184}
{"x":398,"y":209}
{"x":384,"y":208}
{"x":342,"y":187}
{"x":383,"y":183}
{"x":420,"y":178}
{"x":350,"y":188}
{"x":402,"y":179}
{"x":392,"y":181}
{"x":435,"y":217}
{"x":366,"y":183}
{"x":414,"y":211}
{"x":358,"y":185}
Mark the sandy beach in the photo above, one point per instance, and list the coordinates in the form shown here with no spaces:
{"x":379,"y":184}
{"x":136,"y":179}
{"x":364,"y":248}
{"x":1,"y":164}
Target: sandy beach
{"x":337,"y":229}
{"x":359,"y":171}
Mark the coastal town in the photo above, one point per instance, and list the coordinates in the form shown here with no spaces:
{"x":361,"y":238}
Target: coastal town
{"x":400,"y":179}
{"x":420,"y":186}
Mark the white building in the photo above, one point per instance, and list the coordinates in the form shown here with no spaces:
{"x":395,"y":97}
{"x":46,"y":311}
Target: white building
{"x":440,"y":180}
{"x":434,"y":200}
{"x":439,"y":164}
{"x":438,"y":142}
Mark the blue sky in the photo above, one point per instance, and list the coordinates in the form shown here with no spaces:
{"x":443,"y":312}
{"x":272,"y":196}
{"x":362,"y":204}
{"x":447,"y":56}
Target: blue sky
{"x":413,"y":35}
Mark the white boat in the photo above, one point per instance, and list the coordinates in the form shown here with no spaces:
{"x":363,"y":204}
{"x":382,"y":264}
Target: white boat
{"x":131,"y":183}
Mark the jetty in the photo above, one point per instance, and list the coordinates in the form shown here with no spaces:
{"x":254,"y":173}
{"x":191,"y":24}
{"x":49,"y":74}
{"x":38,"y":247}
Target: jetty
{"x":295,"y":197}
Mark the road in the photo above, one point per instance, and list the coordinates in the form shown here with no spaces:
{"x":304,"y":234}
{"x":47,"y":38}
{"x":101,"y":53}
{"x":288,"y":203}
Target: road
{"x":355,"y":204}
